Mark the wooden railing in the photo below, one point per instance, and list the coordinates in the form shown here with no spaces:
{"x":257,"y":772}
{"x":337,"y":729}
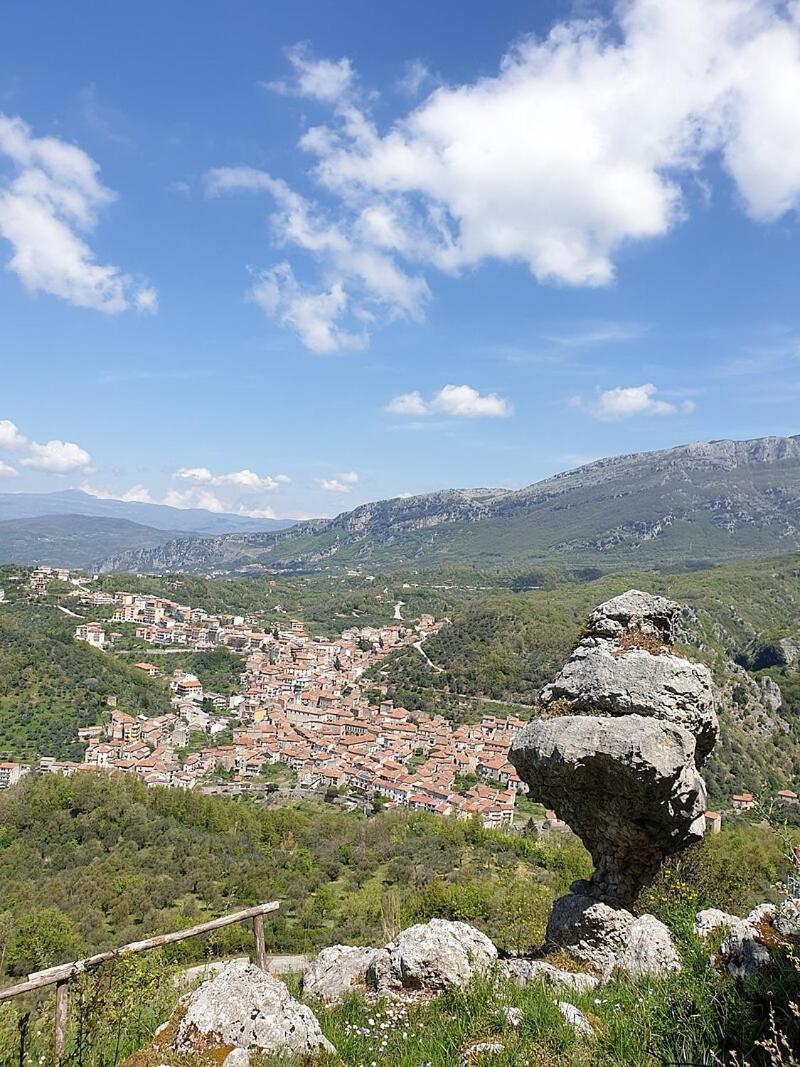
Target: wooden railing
{"x":63,"y":974}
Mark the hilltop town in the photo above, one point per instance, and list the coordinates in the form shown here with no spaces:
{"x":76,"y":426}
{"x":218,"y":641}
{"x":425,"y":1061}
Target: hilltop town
{"x":303,"y":703}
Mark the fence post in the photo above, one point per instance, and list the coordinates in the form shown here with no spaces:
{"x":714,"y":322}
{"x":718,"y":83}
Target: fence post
{"x":62,"y":1011}
{"x":261,"y":952}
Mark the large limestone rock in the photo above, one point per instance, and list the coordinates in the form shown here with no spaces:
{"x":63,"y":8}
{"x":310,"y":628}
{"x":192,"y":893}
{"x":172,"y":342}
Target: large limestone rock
{"x":432,"y":957}
{"x":710,"y":919}
{"x":244,"y":1007}
{"x":610,"y":938}
{"x":628,"y":786}
{"x":599,"y":679}
{"x":627,"y":724}
{"x":337,"y":971}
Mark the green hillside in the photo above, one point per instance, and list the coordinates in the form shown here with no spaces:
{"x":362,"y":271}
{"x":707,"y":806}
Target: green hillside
{"x":73,"y":540}
{"x":51,"y":684}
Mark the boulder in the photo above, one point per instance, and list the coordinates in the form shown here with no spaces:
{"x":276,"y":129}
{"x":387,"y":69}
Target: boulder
{"x":786,"y":919}
{"x":432,"y":957}
{"x":628,"y":787}
{"x":337,"y":971}
{"x":575,"y":1018}
{"x":238,"y":1057}
{"x":599,"y":679}
{"x":243,"y":1007}
{"x":611,"y":938}
{"x":649,"y":950}
{"x":710,"y":919}
{"x":636,"y":611}
{"x":524,"y":971}
{"x":742,"y":951}
{"x":760,"y":914}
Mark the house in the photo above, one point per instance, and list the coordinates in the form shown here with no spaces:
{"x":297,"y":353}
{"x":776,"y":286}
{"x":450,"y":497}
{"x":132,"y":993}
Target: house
{"x":9,"y":774}
{"x":786,"y":796}
{"x":92,"y":634}
{"x":713,"y":822}
{"x":742,"y":801}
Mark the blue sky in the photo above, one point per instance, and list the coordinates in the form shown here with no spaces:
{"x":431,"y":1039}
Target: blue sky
{"x":284,"y":258}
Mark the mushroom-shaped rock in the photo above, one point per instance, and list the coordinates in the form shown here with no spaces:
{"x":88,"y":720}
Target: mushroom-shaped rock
{"x":627,"y":786}
{"x":244,"y":1007}
{"x":600,"y":679}
{"x":432,"y":956}
{"x":337,"y":971}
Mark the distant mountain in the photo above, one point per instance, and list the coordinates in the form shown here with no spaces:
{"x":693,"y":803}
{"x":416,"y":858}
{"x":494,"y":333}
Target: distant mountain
{"x":74,"y":540}
{"x":695,"y":503}
{"x":160,"y":516}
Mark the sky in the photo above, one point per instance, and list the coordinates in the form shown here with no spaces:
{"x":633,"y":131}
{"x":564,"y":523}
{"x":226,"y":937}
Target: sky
{"x":283,"y":258}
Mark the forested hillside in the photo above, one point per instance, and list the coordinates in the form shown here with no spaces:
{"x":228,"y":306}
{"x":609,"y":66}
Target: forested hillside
{"x":51,"y":684}
{"x":95,"y":860}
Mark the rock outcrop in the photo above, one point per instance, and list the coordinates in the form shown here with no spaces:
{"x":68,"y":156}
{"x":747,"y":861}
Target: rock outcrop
{"x":243,"y":1007}
{"x":626,"y":726}
{"x":431,"y":957}
{"x":337,"y":971}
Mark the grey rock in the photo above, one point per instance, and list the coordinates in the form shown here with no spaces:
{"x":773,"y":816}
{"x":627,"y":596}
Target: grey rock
{"x":598,"y":679}
{"x":649,"y":949}
{"x":433,"y":957}
{"x":575,"y":1018}
{"x":761,"y":913}
{"x":710,"y":919}
{"x":337,"y":971}
{"x":238,"y":1057}
{"x":628,"y":786}
{"x":513,"y":1016}
{"x":244,"y":1007}
{"x":771,"y":694}
{"x":523,"y":972}
{"x":481,"y":1049}
{"x":742,"y":951}
{"x":787,"y":918}
{"x":635,"y":610}
{"x":612,"y":938}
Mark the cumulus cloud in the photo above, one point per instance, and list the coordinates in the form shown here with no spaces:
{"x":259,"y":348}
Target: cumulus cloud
{"x":581,"y":142}
{"x":342,"y":483}
{"x":625,"y":402}
{"x":11,"y":439}
{"x":6,"y":470}
{"x":52,"y":196}
{"x":139,"y":494}
{"x":244,"y":479}
{"x":325,"y":80}
{"x":194,"y":498}
{"x":58,"y":457}
{"x":461,"y":401}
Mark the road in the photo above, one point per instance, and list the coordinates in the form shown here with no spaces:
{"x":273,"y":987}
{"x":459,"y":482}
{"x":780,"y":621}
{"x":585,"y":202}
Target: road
{"x":397,"y":613}
{"x":72,"y":614}
{"x":426,"y":657}
{"x":152,"y":651}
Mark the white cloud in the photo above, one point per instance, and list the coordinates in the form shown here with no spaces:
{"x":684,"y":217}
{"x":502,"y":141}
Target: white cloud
{"x":244,"y":479}
{"x":408,"y":404}
{"x":53,"y":196}
{"x":7,"y":471}
{"x":138,"y":494}
{"x":460,"y":401}
{"x":194,"y":498}
{"x":581,"y":142}
{"x":325,"y":80}
{"x":11,"y":439}
{"x":342,"y":483}
{"x":58,"y":457}
{"x":414,"y":78}
{"x":625,"y":402}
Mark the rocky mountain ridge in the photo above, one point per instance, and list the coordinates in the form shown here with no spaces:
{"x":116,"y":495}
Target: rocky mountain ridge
{"x":720,"y":499}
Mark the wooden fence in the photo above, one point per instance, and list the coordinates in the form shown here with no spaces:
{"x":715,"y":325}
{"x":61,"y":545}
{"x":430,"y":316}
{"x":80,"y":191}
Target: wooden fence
{"x":62,"y":975}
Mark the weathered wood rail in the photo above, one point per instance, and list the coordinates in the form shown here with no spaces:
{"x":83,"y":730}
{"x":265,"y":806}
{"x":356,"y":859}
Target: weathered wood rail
{"x":63,"y":974}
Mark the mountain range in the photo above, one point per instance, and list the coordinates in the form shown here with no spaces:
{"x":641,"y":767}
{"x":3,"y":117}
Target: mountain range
{"x":74,"y":529}
{"x":693,"y":504}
